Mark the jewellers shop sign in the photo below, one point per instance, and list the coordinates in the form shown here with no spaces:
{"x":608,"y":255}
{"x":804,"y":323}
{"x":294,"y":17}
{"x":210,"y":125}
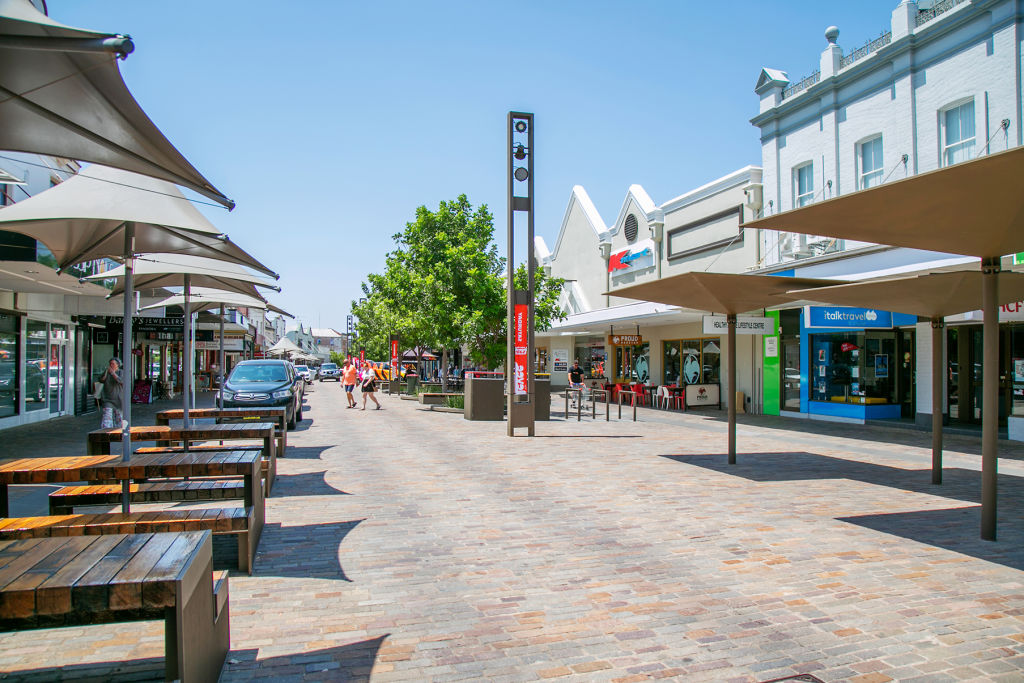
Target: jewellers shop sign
{"x":146,"y":324}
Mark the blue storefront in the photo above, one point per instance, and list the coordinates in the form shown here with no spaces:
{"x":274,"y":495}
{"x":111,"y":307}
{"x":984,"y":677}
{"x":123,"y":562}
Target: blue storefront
{"x":851,"y":363}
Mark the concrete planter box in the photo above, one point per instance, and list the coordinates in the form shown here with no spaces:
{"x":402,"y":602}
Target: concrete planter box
{"x":435,"y":399}
{"x":485,"y":399}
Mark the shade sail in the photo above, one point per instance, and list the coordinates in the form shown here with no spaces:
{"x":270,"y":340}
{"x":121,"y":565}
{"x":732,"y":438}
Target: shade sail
{"x":207,"y":299}
{"x":934,"y":295}
{"x":284,"y":345}
{"x":975,"y":208}
{"x":34,"y":278}
{"x":62,"y":94}
{"x":167,"y":270}
{"x":81,"y":219}
{"x":728,"y":293}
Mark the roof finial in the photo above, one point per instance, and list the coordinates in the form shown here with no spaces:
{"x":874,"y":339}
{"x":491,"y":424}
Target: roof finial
{"x":832,"y":34}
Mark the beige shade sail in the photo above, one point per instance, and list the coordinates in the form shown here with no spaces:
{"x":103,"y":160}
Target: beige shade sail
{"x":83,"y":218}
{"x":62,"y":99}
{"x":975,"y":208}
{"x":154,"y":271}
{"x":728,"y":293}
{"x":208,"y":299}
{"x":934,"y":295}
{"x":284,"y":345}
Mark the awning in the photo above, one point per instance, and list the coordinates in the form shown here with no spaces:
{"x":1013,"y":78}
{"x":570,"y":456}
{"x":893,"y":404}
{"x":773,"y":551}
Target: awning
{"x":153,"y":271}
{"x":35,"y":278}
{"x":82,"y":219}
{"x":61,"y":94}
{"x":206,"y":299}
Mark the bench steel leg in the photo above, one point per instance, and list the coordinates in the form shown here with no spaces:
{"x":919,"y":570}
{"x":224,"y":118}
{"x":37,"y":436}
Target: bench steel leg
{"x":196,"y":637}
{"x":270,"y":451}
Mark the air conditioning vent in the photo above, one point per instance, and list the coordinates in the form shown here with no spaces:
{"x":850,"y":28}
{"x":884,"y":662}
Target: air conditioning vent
{"x":630,"y":228}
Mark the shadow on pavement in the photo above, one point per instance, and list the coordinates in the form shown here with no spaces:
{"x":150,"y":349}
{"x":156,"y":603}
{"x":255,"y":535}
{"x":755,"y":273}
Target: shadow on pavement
{"x":306,"y":484}
{"x":305,"y":452}
{"x":588,"y":436}
{"x":351,"y":663}
{"x":304,"y":552}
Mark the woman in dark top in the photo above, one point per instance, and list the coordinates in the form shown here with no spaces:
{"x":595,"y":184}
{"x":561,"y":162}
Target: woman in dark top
{"x":111,"y":395}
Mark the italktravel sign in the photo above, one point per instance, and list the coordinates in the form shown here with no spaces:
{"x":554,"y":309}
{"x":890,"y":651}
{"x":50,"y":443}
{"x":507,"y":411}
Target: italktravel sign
{"x":824,"y":317}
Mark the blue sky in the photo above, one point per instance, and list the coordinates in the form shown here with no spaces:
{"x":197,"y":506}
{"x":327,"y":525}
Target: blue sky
{"x":331,"y":123}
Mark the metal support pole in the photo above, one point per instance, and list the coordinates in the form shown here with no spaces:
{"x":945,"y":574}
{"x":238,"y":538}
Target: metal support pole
{"x":186,"y":362}
{"x":220,"y":362}
{"x":731,"y":319}
{"x":938,"y":382}
{"x":126,"y":358}
{"x":989,"y":397}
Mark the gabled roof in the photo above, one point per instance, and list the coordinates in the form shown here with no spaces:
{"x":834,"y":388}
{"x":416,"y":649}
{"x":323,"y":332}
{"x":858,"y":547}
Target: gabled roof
{"x":326,"y":333}
{"x":639,"y":196}
{"x":770,"y":78}
{"x":580,"y":196}
{"x":541,"y":251}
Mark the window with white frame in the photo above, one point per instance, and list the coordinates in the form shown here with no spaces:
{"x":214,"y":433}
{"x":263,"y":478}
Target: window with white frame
{"x":957,"y":125}
{"x":869,"y":158}
{"x":803,"y":184}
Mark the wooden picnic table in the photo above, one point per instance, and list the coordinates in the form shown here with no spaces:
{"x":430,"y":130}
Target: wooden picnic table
{"x":238,"y":463}
{"x":101,"y":439}
{"x":280,"y":415}
{"x":82,"y":580}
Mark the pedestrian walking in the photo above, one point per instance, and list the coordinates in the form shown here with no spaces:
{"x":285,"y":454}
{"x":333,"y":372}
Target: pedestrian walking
{"x":369,"y":386}
{"x":111,"y":395}
{"x":349,"y":378}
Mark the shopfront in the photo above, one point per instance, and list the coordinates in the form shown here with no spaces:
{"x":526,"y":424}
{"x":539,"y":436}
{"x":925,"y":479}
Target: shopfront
{"x":38,"y":371}
{"x":692,"y":361}
{"x":590,"y":352}
{"x":631,"y":359}
{"x":858,"y":363}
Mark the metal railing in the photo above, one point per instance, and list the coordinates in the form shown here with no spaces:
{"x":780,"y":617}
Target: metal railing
{"x":802,"y":85}
{"x":867,"y":48}
{"x":926,"y":15}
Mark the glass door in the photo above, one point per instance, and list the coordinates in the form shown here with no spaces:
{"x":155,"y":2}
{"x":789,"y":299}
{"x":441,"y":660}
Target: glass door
{"x":58,"y":369}
{"x":790,"y":375}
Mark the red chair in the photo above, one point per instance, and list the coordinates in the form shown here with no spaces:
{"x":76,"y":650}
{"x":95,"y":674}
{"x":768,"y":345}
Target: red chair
{"x":675,"y":398}
{"x":641,"y":394}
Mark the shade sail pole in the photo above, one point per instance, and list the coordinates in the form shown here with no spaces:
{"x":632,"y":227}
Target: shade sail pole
{"x":731,"y":397}
{"x":126,"y":359}
{"x":938,"y":381}
{"x":989,"y":396}
{"x":220,"y":361}
{"x":186,"y":363}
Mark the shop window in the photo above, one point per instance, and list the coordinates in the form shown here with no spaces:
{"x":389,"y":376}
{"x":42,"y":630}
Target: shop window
{"x":632,"y":364}
{"x":590,"y":353}
{"x":10,"y":374}
{"x":692,"y":361}
{"x":853,"y":367}
{"x":1017,"y":369}
{"x":37,"y":366}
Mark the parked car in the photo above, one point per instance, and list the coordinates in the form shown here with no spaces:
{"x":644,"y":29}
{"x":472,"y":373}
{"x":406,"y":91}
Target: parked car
{"x":305,"y":372}
{"x":35,"y":383}
{"x":273,"y":383}
{"x":330,"y":371}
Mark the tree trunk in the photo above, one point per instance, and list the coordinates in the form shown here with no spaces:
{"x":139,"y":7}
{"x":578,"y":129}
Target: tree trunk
{"x":444,"y":371}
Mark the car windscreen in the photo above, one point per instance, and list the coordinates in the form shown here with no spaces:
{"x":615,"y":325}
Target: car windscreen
{"x":328,"y":366}
{"x":259,"y":373}
{"x":301,"y":368}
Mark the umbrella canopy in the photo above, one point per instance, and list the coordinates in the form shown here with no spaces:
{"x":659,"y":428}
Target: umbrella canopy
{"x":83,"y":218}
{"x":61,"y":94}
{"x":284,"y":345}
{"x":166,"y":270}
{"x":972,"y":209}
{"x":205,"y":299}
{"x":975,"y":209}
{"x":727,"y":293}
{"x":934,"y":296}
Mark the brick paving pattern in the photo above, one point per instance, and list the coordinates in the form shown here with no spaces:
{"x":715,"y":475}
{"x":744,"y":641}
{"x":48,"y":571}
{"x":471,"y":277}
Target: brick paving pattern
{"x":409,"y":545}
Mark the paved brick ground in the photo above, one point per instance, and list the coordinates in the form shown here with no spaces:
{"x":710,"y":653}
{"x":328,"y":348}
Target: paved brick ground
{"x":406,"y":545}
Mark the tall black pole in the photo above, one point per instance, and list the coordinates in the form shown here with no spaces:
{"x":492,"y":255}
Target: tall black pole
{"x":731,"y":398}
{"x":186,"y":362}
{"x":126,"y":358}
{"x":220,"y":361}
{"x":938,"y":381}
{"x":989,"y":396}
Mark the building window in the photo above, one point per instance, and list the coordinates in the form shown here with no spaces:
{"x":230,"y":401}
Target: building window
{"x":853,"y":367}
{"x":957,"y":124}
{"x":10,"y":373}
{"x":692,"y":361}
{"x":37,"y":366}
{"x":869,"y":158}
{"x":803,"y":180}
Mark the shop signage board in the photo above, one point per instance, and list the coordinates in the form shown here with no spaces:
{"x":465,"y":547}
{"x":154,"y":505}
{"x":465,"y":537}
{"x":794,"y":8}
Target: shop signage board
{"x":832,"y":317}
{"x":698,"y":395}
{"x":627,"y":339}
{"x":719,"y":324}
{"x":521,"y":350}
{"x":771,"y":347}
{"x":394,"y":352}
{"x":560,"y":360}
{"x":640,"y":255}
{"x":230,"y":344}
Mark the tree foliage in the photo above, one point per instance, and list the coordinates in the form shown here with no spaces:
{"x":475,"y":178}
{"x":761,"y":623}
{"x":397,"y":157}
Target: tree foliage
{"x":443,"y":287}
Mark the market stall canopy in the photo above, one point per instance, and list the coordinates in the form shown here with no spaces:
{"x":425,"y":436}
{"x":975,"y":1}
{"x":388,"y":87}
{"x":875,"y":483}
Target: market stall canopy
{"x":206,"y":299}
{"x":975,"y":208}
{"x":153,"y":271}
{"x":284,"y":345}
{"x":933,"y":295}
{"x":83,"y":218}
{"x":729,"y":293}
{"x":61,"y":94}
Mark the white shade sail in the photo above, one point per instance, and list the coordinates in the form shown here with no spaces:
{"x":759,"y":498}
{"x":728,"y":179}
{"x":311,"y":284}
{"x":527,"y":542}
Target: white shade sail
{"x":284,"y":345}
{"x":83,"y":219}
{"x":61,"y":94}
{"x":168,"y":270}
{"x":205,"y":299}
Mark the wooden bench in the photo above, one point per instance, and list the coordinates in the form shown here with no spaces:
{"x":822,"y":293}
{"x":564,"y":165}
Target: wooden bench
{"x":64,"y":500}
{"x":246,"y":522}
{"x":433,"y":398}
{"x":279,"y":415}
{"x":208,"y":448}
{"x":82,"y":580}
{"x":101,"y":440}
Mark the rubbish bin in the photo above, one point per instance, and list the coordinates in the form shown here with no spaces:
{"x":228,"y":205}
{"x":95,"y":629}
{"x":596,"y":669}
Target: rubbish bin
{"x":542,"y":410}
{"x":484,"y":399}
{"x":411,"y":382}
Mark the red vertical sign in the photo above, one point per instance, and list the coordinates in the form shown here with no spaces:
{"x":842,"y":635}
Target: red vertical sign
{"x":521,"y":355}
{"x":362,"y":355}
{"x":394,"y":355}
